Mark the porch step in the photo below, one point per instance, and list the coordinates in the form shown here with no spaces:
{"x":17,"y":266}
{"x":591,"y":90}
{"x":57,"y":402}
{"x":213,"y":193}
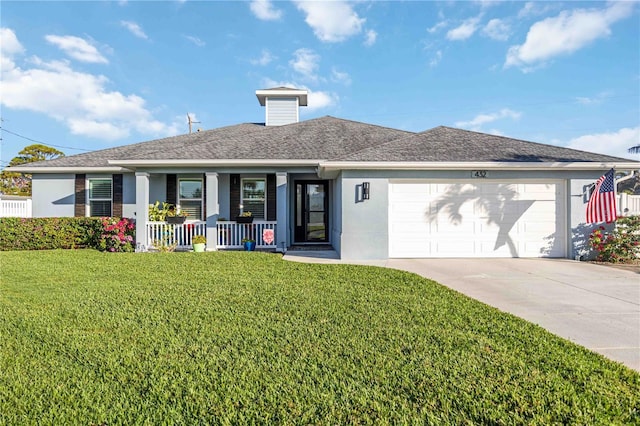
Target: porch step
{"x":311,"y":247}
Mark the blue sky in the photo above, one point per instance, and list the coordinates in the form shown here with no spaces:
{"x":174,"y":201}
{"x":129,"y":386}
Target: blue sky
{"x":93,"y":75}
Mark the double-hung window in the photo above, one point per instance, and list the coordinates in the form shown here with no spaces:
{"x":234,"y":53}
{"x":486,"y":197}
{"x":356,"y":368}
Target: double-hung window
{"x":190,"y":197}
{"x":100,"y":197}
{"x":253,"y":197}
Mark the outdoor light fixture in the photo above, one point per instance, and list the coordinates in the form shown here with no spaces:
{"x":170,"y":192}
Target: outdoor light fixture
{"x":366,"y":190}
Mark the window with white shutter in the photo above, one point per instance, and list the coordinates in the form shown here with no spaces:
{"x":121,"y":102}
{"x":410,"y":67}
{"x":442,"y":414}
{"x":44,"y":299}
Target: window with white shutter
{"x":100,"y":197}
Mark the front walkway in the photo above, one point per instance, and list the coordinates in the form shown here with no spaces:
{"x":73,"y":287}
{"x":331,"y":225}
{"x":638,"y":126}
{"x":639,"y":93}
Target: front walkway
{"x":595,"y":306}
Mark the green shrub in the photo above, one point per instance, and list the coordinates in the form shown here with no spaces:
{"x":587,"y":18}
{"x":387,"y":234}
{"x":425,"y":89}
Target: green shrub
{"x":620,"y":245}
{"x":49,"y":233}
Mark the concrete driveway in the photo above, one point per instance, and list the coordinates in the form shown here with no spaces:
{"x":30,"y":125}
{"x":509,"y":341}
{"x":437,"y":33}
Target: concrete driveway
{"x":595,"y":306}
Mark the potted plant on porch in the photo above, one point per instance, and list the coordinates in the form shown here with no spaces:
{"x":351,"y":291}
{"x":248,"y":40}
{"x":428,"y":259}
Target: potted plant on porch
{"x":245,"y":217}
{"x":176,"y":216}
{"x":199,"y":243}
{"x":249,"y":244}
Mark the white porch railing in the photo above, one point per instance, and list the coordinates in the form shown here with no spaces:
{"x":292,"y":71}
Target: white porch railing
{"x":162,"y":234}
{"x":15,"y":208}
{"x":229,"y":234}
{"x":628,"y":205}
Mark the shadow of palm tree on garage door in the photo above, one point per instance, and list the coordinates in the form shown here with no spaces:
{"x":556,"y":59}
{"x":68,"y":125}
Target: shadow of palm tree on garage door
{"x":500,"y":208}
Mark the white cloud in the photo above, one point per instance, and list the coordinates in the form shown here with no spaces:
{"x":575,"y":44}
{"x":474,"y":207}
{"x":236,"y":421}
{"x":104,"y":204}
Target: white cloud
{"x":615,"y":143}
{"x":497,"y":29}
{"x":598,"y":99}
{"x":77,"y":48}
{"x":527,"y":10}
{"x":565,"y":33}
{"x":79,"y":100}
{"x":464,"y":30}
{"x":370,"y":38}
{"x":87,"y":127}
{"x":436,"y":59}
{"x":340,"y":77}
{"x":134,"y":29}
{"x":10,"y":45}
{"x":195,"y":40}
{"x":536,"y":8}
{"x":319,"y":100}
{"x":481,"y":119}
{"x":437,"y":27}
{"x":316,"y":100}
{"x":264,"y":10}
{"x":331,"y":21}
{"x":305,"y":62}
{"x":265,"y":58}
{"x":488,"y":3}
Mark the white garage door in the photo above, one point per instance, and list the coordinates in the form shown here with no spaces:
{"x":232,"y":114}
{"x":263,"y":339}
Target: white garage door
{"x":477,"y":219}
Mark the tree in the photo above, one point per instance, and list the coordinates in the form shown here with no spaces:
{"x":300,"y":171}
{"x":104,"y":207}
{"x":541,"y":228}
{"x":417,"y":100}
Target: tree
{"x":19,"y":183}
{"x":36,"y":152}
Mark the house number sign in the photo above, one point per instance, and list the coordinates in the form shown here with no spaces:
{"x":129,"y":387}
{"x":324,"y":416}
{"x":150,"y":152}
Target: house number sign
{"x":478,"y":174}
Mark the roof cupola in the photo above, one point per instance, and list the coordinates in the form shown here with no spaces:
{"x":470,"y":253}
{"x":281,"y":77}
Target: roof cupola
{"x":282,"y":105}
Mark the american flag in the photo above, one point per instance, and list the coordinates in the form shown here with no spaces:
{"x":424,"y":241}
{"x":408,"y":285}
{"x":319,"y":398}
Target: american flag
{"x":602,"y":204}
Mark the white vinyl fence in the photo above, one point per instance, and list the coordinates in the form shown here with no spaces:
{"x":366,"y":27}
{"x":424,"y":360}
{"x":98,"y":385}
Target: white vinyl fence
{"x":15,"y":208}
{"x":628,"y":205}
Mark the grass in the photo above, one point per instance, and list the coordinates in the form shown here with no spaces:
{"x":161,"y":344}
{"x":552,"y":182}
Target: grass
{"x":237,"y":337}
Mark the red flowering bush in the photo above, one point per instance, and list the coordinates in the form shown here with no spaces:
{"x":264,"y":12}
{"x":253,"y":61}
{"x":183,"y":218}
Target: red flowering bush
{"x":621,"y":245}
{"x":117,"y":235}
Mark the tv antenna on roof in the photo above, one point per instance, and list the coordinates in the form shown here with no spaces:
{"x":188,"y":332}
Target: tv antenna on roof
{"x":191,"y":122}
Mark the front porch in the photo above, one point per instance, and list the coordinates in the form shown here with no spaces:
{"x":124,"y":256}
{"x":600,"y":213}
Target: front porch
{"x":228,"y":235}
{"x":289,"y":208}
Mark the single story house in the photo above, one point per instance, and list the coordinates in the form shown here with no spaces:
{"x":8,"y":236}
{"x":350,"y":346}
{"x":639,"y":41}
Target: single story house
{"x":368,"y":191}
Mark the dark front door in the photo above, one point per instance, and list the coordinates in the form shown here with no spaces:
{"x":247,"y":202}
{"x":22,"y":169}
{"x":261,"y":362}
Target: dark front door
{"x":312,"y":212}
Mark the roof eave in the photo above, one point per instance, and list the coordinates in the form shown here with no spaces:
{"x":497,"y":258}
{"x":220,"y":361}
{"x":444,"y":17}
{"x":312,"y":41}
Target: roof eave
{"x":480,"y":165}
{"x":262,"y":95}
{"x":214,"y":163}
{"x":67,"y":169}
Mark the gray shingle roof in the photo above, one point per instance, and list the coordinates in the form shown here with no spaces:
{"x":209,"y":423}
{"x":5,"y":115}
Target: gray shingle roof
{"x":147,"y":149}
{"x":333,"y":139}
{"x":456,"y":145}
{"x":318,"y":139}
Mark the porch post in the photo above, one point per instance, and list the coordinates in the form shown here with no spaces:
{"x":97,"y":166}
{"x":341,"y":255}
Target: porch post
{"x":282,"y":212}
{"x":213,"y":210}
{"x":142,"y":210}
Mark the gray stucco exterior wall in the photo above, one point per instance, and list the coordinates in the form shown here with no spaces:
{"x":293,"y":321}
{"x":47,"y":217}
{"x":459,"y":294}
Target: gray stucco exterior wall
{"x":157,"y":188}
{"x":336,"y":214}
{"x":223,"y":195}
{"x":129,"y":195}
{"x":53,"y":195}
{"x":365,"y":228}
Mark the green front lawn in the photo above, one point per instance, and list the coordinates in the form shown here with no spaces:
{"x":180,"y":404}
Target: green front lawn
{"x":237,"y":337}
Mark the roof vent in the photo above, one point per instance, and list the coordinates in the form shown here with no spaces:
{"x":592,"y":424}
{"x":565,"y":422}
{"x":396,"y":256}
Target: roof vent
{"x":282,"y":104}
